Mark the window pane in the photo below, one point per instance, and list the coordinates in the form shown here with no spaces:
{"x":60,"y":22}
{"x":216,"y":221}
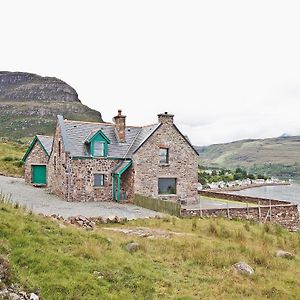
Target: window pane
{"x":167,"y":185}
{"x":98,"y":179}
{"x":164,"y":155}
{"x":98,"y":149}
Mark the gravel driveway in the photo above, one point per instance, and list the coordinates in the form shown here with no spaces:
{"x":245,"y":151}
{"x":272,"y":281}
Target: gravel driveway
{"x":39,"y":201}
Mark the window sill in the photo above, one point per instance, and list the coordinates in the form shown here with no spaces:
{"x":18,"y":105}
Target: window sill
{"x":98,"y":187}
{"x":167,"y":195}
{"x":165,"y":165}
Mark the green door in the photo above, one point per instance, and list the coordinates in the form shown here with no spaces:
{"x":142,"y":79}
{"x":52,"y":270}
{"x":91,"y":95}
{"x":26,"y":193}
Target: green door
{"x":39,"y":174}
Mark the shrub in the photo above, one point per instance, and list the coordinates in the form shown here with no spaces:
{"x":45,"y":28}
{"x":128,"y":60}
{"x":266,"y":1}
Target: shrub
{"x":7,"y":158}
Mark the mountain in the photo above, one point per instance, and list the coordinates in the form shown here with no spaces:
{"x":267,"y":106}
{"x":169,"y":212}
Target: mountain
{"x":29,"y":104}
{"x":273,"y":156}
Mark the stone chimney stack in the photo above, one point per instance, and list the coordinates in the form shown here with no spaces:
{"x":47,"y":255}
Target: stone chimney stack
{"x":165,"y":118}
{"x":120,"y":125}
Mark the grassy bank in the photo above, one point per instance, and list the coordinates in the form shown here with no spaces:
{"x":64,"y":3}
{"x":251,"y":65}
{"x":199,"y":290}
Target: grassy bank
{"x":71,"y":263}
{"x":11,"y":154}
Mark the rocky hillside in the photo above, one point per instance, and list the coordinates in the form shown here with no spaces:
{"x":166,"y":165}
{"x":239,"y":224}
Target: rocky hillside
{"x":275,"y":156}
{"x":29,"y":104}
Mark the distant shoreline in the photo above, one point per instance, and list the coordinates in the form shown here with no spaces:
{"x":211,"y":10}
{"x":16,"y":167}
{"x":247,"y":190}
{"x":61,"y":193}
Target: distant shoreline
{"x":250,"y":186}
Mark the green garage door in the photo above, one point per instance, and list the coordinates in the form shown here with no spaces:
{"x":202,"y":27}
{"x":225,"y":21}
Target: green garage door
{"x":39,"y":174}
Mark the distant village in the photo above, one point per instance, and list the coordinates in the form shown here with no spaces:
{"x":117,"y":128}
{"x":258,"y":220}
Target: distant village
{"x":222,"y":179}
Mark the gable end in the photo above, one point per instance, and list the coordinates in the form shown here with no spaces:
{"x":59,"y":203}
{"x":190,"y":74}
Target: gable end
{"x":35,"y":140}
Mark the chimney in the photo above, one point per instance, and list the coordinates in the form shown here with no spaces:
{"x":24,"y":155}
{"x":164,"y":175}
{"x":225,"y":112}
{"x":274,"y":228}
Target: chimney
{"x":165,"y":118}
{"x":120,"y":126}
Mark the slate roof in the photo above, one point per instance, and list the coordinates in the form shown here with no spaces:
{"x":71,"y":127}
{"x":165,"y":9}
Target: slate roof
{"x":47,"y":142}
{"x":123,"y":165}
{"x":75,"y":133}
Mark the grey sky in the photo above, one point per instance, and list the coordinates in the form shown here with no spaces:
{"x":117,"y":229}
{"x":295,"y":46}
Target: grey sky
{"x":227,"y":69}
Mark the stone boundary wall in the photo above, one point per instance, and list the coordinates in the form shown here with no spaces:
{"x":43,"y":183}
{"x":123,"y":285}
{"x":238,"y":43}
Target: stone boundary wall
{"x":279,"y":212}
{"x":284,"y":215}
{"x":241,"y":198}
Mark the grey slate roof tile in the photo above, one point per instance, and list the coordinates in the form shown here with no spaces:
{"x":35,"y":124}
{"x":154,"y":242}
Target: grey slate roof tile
{"x":75,"y":133}
{"x":47,"y":142}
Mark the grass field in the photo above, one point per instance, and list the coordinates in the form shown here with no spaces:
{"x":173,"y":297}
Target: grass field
{"x":11,"y":154}
{"x":71,"y":263}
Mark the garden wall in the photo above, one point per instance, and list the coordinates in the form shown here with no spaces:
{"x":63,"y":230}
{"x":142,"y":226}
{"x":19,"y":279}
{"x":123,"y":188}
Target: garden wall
{"x":279,"y":212}
{"x":240,"y":198}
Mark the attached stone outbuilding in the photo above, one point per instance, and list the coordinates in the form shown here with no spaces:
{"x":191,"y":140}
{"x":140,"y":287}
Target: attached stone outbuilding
{"x":112,"y":161}
{"x":36,"y":160}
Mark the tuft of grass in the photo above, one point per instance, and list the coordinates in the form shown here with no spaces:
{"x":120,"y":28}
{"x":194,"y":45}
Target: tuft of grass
{"x":72,"y":263}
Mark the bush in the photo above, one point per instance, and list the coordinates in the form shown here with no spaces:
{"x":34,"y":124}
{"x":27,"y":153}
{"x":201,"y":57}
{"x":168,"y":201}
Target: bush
{"x":7,"y":158}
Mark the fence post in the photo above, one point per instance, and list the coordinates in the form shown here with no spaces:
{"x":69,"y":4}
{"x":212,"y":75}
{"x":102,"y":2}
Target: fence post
{"x":270,"y":203}
{"x":259,"y":212}
{"x":247,"y":210}
{"x":228,"y":210}
{"x":200,"y":206}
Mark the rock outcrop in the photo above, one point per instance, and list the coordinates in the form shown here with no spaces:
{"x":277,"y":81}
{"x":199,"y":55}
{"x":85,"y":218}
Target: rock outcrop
{"x":29,"y":104}
{"x":27,"y":86}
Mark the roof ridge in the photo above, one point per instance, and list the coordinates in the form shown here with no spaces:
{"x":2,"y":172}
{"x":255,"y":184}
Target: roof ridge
{"x":88,"y":122}
{"x":49,"y":136}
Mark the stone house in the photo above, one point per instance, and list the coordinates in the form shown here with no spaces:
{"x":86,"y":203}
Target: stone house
{"x":87,"y":161}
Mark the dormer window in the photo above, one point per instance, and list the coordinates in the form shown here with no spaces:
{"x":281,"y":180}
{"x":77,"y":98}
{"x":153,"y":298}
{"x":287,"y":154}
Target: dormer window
{"x":97,"y":144}
{"x":99,"y":148}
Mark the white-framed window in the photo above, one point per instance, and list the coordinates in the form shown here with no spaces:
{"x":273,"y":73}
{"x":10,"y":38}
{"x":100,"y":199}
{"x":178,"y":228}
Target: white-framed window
{"x":167,"y":186}
{"x":99,"y":180}
{"x":98,"y":148}
{"x":163,"y":156}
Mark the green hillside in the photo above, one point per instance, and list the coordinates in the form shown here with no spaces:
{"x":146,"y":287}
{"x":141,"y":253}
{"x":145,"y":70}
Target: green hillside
{"x":20,"y":119}
{"x":274,"y":156}
{"x":64,"y":262}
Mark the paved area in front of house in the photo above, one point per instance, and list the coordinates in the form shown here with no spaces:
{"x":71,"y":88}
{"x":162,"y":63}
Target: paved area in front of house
{"x":39,"y":201}
{"x":212,"y":203}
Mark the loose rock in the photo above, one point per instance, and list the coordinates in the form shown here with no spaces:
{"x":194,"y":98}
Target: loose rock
{"x":285,"y":254}
{"x":4,"y":268}
{"x":33,"y":296}
{"x":132,"y":247}
{"x":242,"y":267}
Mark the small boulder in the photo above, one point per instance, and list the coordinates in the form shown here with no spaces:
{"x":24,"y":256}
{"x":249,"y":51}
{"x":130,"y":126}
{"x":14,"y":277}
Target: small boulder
{"x":242,"y":267}
{"x":132,"y":247}
{"x":33,"y":296}
{"x":4,"y":268}
{"x":285,"y":254}
{"x":14,"y":296}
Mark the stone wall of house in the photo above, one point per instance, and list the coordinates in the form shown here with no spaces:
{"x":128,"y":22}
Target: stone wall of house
{"x":58,"y":167}
{"x":286,"y":215}
{"x":37,"y":156}
{"x":73,"y":179}
{"x":82,"y":179}
{"x":183,"y":164}
{"x":127,"y":184}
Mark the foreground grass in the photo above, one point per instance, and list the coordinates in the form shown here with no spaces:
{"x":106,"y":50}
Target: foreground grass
{"x":11,"y":154}
{"x":71,"y":263}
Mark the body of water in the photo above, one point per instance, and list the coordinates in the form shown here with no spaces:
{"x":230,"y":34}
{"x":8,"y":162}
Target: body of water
{"x":280,"y":192}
